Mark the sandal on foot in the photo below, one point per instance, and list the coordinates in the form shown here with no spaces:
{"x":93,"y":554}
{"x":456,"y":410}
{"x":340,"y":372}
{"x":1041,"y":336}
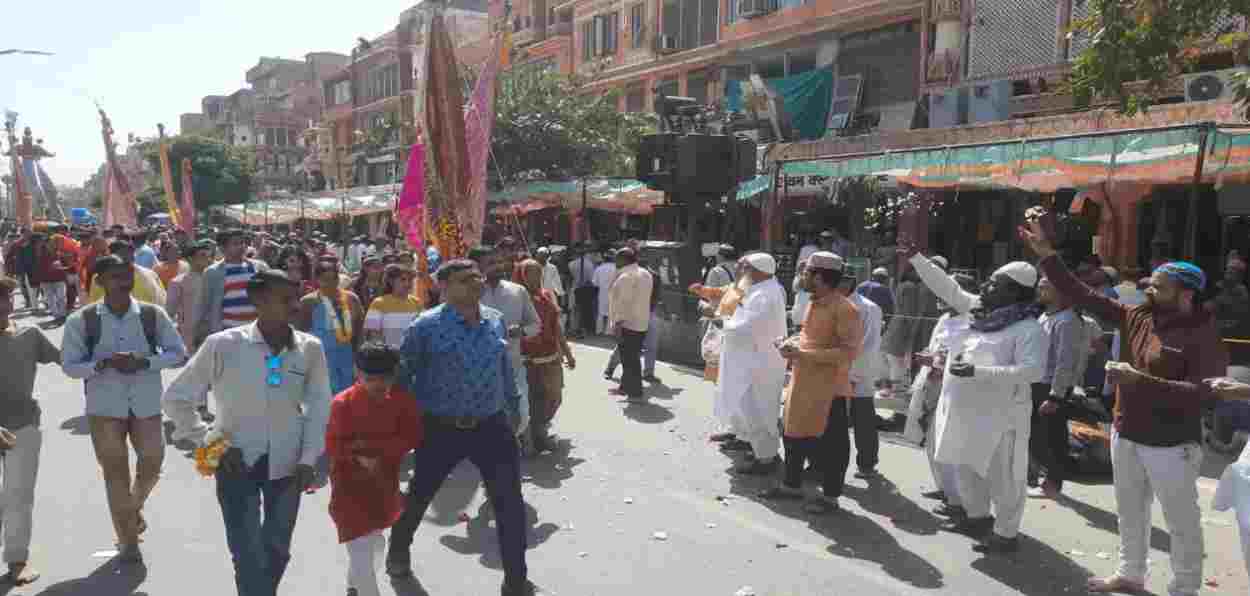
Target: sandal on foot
{"x":21,"y":574}
{"x":1114,"y":584}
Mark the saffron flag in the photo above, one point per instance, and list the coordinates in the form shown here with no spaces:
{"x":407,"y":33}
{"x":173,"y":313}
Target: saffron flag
{"x":167,"y":177}
{"x":187,"y":211}
{"x":119,"y":204}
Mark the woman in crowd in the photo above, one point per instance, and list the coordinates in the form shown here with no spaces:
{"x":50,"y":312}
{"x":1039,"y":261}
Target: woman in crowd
{"x":389,"y":315}
{"x":368,"y":285}
{"x":298,"y":267}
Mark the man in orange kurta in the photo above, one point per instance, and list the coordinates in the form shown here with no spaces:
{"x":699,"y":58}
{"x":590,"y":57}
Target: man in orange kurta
{"x":815,"y":415}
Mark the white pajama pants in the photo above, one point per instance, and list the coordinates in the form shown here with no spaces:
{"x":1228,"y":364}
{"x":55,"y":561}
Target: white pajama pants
{"x":20,"y":467}
{"x":1005,"y":487}
{"x":945,"y":476}
{"x":1143,"y":473}
{"x":364,"y":556}
{"x":755,"y":422}
{"x":54,"y":296}
{"x":897,"y":367}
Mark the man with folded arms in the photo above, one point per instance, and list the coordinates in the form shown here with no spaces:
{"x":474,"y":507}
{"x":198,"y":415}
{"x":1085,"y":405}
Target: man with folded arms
{"x":1171,"y":345}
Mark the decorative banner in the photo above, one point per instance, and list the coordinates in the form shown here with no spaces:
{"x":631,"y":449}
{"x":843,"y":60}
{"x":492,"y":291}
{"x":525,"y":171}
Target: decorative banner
{"x":119,"y":203}
{"x":23,"y":203}
{"x":171,"y":201}
{"x":187,"y":219}
{"x":410,"y":212}
{"x":444,"y":129}
{"x":479,"y":123}
{"x":52,"y":202}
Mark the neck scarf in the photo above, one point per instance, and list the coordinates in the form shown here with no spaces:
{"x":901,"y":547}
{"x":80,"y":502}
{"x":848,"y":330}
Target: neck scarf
{"x":1003,"y":317}
{"x":337,"y":319}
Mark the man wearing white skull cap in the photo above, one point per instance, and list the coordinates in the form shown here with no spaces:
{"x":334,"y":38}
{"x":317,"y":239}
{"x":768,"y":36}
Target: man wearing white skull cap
{"x":983,"y":418}
{"x":752,"y":370}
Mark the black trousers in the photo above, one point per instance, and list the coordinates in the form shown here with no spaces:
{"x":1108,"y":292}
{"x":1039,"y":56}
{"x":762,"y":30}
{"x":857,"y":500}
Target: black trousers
{"x":630,"y":348}
{"x":867,"y":441}
{"x":830,"y":453}
{"x":493,"y":449}
{"x":587,"y":298}
{"x":1048,"y":437}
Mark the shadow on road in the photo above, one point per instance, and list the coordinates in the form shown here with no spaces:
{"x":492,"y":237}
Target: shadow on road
{"x":1035,"y":570}
{"x":110,"y":579}
{"x":648,"y":413}
{"x":662,"y":391}
{"x":883,"y":498}
{"x":858,"y":537}
{"x":1107,"y":522}
{"x":455,"y":495}
{"x":408,"y":586}
{"x":550,"y":470}
{"x":76,"y":426}
{"x":482,"y":539}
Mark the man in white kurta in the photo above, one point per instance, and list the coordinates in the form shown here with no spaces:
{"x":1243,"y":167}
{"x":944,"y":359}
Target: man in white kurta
{"x":983,"y":416}
{"x":605,"y":274}
{"x":752,"y":371}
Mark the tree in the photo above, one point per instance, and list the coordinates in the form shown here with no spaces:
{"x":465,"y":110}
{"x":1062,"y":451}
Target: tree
{"x":1150,"y":41}
{"x":549,"y":127}
{"x":221,"y":174}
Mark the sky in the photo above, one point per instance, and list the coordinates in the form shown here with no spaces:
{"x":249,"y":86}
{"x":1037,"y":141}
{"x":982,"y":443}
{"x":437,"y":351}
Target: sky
{"x":148,"y":61}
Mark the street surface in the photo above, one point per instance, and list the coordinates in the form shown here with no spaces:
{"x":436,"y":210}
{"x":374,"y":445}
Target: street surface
{"x":622,"y":474}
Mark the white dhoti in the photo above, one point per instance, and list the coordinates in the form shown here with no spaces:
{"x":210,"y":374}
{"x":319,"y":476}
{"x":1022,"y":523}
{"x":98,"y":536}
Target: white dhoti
{"x":1003,"y":485}
{"x":945,"y":476}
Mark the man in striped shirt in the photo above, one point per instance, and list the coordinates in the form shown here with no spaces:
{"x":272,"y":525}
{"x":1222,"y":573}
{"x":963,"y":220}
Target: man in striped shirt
{"x":225,"y":284}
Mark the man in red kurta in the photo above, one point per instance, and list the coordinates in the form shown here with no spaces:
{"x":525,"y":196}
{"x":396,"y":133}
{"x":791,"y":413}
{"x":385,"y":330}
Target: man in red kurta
{"x":543,"y":354}
{"x":373,"y":425}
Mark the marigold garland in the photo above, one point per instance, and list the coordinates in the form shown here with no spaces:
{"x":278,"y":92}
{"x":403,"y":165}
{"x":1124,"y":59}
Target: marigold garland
{"x":208,"y":457}
{"x":342,"y":329}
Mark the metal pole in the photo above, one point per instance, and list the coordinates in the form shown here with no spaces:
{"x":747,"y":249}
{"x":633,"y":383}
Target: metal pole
{"x":1191,"y":222}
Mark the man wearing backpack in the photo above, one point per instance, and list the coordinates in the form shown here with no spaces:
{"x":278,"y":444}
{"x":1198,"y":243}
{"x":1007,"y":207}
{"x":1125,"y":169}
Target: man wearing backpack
{"x":118,"y":347}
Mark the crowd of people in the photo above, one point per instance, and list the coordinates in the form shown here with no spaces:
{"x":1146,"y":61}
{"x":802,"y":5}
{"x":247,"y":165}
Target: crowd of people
{"x":332,"y":363}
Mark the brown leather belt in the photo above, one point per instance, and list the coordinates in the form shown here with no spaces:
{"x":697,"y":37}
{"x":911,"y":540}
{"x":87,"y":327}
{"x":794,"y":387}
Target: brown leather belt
{"x":458,"y":422}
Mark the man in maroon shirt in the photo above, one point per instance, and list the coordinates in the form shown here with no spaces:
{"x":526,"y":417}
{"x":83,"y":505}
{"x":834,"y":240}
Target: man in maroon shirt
{"x":1169,"y":345}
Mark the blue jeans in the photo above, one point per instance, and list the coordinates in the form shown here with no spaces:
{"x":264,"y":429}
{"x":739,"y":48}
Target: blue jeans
{"x":491,"y":447}
{"x":650,"y":346}
{"x":260,"y":548}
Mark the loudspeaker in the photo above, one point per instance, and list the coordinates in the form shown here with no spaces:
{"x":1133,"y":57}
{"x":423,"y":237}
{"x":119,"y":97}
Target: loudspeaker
{"x":656,"y":161}
{"x":704,"y":164}
{"x":745,"y":158}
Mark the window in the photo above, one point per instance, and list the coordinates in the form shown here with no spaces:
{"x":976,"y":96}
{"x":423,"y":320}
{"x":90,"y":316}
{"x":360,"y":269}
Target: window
{"x":637,"y":25}
{"x":599,"y":36}
{"x":342,"y":92}
{"x":588,"y":40}
{"x":692,"y":23}
{"x":731,"y":12}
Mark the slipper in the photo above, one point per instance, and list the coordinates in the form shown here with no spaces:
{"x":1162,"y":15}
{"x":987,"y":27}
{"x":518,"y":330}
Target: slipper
{"x":1115,"y":584}
{"x":21,"y":574}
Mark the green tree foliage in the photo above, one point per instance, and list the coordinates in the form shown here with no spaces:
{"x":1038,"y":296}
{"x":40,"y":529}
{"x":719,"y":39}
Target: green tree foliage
{"x":220,"y":174}
{"x":549,"y":127}
{"x":1150,"y":41}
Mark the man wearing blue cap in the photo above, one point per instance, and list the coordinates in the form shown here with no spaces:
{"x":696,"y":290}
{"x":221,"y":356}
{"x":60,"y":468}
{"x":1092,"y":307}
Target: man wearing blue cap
{"x":1170,"y":344}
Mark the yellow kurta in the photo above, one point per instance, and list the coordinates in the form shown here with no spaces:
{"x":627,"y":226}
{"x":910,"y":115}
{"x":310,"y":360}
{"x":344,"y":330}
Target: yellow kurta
{"x":730,"y":297}
{"x":831,"y":339}
{"x":147,"y":288}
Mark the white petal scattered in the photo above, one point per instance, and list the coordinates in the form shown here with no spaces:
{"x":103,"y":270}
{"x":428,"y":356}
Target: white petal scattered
{"x":1076,"y":553}
{"x":1102,"y":555}
{"x":711,"y":525}
{"x":629,"y":500}
{"x":104,"y":554}
{"x":564,"y":497}
{"x":583,"y":555}
{"x":661,"y":536}
{"x":745,"y":591}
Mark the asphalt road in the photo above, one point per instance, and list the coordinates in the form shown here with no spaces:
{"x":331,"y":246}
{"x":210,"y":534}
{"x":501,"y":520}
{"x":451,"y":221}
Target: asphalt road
{"x":621,"y":474}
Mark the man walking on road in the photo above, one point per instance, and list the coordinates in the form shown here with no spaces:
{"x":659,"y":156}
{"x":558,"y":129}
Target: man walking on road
{"x":629,"y":313}
{"x":519,"y":316}
{"x":455,"y":362}
{"x":272,"y":390}
{"x":21,"y":436}
{"x":183,"y":301}
{"x":752,"y":370}
{"x":226,"y":303}
{"x":119,"y":347}
{"x":1172,"y":345}
{"x":864,"y":373}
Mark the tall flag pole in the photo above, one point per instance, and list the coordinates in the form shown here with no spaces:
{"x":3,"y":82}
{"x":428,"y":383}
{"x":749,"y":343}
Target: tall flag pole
{"x":449,"y":172}
{"x":187,"y":218}
{"x":171,"y":201}
{"x":119,"y":203}
{"x":23,"y":204}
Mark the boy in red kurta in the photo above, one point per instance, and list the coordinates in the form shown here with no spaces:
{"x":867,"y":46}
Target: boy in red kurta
{"x":373,"y":425}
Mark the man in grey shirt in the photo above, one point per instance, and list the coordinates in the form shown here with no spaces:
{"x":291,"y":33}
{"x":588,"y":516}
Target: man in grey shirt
{"x":22,"y":350}
{"x":519,"y":315}
{"x":1069,"y":347}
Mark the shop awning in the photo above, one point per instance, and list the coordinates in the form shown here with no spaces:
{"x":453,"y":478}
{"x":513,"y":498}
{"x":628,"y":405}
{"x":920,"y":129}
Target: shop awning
{"x":620,"y":195}
{"x":285,"y":211}
{"x":1159,"y":156}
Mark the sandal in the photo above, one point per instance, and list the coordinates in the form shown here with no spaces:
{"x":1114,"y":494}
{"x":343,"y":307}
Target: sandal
{"x":1114,"y":583}
{"x":822,"y":506}
{"x":20,"y":574}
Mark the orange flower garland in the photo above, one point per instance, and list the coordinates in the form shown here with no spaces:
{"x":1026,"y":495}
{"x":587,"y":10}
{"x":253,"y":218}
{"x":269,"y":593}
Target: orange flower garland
{"x":208,"y":457}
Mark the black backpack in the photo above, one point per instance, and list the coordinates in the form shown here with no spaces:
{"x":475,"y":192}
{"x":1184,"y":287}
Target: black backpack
{"x":91,"y":324}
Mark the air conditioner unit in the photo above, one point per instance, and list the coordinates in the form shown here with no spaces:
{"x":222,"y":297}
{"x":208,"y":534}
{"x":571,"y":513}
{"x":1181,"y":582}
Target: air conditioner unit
{"x":1212,"y":85}
{"x":666,"y":44}
{"x":990,"y":102}
{"x":750,"y":9}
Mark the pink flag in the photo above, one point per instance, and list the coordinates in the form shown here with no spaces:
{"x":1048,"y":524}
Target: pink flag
{"x":410,"y":212}
{"x":187,"y":210}
{"x":479,"y":123}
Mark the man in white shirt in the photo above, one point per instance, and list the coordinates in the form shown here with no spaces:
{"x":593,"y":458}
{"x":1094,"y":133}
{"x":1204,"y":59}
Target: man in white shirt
{"x":752,"y":371}
{"x":272,"y":389}
{"x":605,"y":274}
{"x":118,"y":347}
{"x":864,"y":373}
{"x":551,"y":273}
{"x":983,"y":418}
{"x":629,"y":311}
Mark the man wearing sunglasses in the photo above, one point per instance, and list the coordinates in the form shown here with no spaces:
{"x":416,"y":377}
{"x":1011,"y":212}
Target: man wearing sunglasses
{"x":272,"y":390}
{"x":455,"y":360}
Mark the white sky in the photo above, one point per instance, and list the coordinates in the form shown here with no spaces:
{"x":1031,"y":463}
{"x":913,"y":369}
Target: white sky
{"x":148,"y":61}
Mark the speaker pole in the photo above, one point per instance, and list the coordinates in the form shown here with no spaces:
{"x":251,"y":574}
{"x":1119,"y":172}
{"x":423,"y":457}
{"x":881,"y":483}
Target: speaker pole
{"x":692,"y":261}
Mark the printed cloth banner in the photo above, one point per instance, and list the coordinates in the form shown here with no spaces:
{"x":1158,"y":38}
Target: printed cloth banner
{"x":167,"y":178}
{"x":410,"y":212}
{"x":479,"y":123}
{"x":449,"y":175}
{"x":187,"y":212}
